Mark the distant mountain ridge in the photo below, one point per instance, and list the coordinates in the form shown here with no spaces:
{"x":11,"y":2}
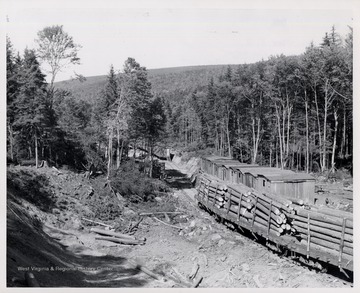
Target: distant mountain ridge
{"x":185,"y":79}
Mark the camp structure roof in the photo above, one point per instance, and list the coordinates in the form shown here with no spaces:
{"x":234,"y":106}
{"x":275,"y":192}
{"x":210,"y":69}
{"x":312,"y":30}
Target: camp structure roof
{"x":288,"y":177}
{"x":276,"y":174}
{"x":227,"y":163}
{"x":242,"y":166}
{"x":214,"y":158}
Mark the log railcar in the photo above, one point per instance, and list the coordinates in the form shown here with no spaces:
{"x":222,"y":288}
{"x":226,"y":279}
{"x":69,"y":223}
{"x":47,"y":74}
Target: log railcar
{"x":277,"y":205}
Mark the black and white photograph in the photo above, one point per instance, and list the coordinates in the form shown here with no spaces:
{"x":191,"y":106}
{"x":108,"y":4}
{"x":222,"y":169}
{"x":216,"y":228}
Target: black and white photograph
{"x":178,"y":144}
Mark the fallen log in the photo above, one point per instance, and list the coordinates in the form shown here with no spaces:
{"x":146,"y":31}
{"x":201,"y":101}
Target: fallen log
{"x":111,"y":233}
{"x":136,"y":225}
{"x":145,"y":270}
{"x":121,"y":240}
{"x":59,"y":230}
{"x":160,"y":213}
{"x":194,"y":271}
{"x":197,"y":282}
{"x":181,"y":278}
{"x":99,"y":223}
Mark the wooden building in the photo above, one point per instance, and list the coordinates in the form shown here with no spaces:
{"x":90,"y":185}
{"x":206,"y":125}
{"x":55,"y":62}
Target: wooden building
{"x":285,"y":183}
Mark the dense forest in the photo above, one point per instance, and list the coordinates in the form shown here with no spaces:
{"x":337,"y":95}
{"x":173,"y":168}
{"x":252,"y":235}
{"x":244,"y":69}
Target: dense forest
{"x":292,"y":112}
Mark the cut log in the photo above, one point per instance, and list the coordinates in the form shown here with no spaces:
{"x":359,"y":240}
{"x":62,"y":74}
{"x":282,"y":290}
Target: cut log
{"x":197,"y":282}
{"x":300,"y":226}
{"x":99,"y":223}
{"x":244,"y":203}
{"x":315,"y":215}
{"x":121,"y":240}
{"x":160,"y":213}
{"x":145,"y":270}
{"x":111,"y":233}
{"x":289,"y":241}
{"x":267,"y":205}
{"x":194,"y":271}
{"x":333,"y":212}
{"x":261,"y":224}
{"x":314,"y":222}
{"x":181,"y":278}
{"x":327,"y":244}
{"x":297,"y":201}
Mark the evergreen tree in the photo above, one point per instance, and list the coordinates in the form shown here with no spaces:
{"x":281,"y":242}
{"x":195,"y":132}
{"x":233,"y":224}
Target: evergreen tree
{"x":30,"y":112}
{"x":12,"y":92}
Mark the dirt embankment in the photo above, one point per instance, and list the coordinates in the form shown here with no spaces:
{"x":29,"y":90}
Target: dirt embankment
{"x":46,"y":235}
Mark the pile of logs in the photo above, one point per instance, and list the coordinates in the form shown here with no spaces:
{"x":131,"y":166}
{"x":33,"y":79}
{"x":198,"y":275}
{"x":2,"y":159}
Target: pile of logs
{"x":259,"y":211}
{"x":321,"y":233}
{"x":330,"y":231}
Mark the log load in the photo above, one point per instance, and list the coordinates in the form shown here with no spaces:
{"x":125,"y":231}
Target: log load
{"x":321,"y":234}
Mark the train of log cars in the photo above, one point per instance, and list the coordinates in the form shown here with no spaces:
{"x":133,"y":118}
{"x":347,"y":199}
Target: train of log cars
{"x":310,"y":230}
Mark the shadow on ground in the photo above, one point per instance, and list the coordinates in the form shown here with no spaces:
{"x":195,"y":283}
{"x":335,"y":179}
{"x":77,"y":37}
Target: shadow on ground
{"x":30,"y":249}
{"x":178,"y":180}
{"x":32,"y":187}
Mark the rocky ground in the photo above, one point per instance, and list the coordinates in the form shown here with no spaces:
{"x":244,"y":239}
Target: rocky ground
{"x":47,"y":235}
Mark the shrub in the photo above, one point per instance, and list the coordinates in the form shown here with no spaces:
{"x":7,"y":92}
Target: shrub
{"x":134,"y":185}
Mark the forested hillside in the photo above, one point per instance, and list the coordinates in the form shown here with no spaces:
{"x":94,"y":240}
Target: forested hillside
{"x":164,"y":80}
{"x":288,"y":111}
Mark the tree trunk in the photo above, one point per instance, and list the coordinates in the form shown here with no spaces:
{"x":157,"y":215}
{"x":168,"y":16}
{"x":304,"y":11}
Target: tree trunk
{"x":323,"y":165}
{"x":118,"y":148}
{"x":319,"y":127}
{"x":307,"y":134}
{"x":221,"y":142}
{"x":253,"y":134}
{"x":334,"y":142}
{"x":270,"y":157}
{"x":121,"y":150}
{"x":228,"y":136}
{"x":151,"y":161}
{"x":280,"y":140}
{"x":216,"y":140}
{"x":30,"y":153}
{"x":109,"y":152}
{"x":289,"y":109}
{"x":343,"y":141}
{"x":36,"y":151}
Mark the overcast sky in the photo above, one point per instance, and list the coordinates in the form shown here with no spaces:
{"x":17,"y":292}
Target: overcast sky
{"x":163,"y":36}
